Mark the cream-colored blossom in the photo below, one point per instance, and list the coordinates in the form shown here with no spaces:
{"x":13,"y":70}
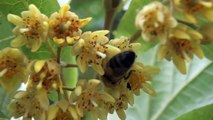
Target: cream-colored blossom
{"x":194,"y":10}
{"x":13,"y":64}
{"x":31,"y":28}
{"x":29,"y":104}
{"x":155,"y":21}
{"x":139,"y":77}
{"x":123,"y":43}
{"x":90,"y":97}
{"x":182,"y":44}
{"x":62,"y":110}
{"x":45,"y":75}
{"x":65,"y":26}
{"x":91,"y":49}
{"x":123,"y":96}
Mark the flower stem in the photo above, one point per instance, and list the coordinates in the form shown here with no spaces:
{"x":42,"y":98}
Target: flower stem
{"x":68,"y":65}
{"x":172,"y":6}
{"x":110,"y":10}
{"x":59,"y":49}
{"x":135,"y":36}
{"x":51,"y":49}
{"x":68,"y":88}
{"x":58,"y":55}
{"x":187,"y":23}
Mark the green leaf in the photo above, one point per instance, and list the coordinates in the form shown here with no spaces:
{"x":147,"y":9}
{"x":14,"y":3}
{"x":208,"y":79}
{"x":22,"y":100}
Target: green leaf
{"x":208,"y":51}
{"x":5,"y":36}
{"x":17,"y":6}
{"x":204,"y":113}
{"x":90,"y":8}
{"x":4,"y":101}
{"x":127,"y":25}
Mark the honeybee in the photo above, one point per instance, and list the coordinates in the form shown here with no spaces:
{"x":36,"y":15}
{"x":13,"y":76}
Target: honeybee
{"x":118,"y":68}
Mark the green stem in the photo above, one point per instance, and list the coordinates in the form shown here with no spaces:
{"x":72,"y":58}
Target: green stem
{"x":51,"y":49}
{"x":187,"y":23}
{"x":68,"y":88}
{"x":110,"y":10}
{"x":68,"y":65}
{"x":58,"y":59}
{"x":135,"y":36}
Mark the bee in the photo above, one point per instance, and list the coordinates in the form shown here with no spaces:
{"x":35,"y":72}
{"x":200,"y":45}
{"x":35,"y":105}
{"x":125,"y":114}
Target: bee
{"x":117,"y":68}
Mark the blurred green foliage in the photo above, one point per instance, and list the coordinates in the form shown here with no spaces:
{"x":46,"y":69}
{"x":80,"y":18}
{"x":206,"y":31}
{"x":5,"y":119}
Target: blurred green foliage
{"x":90,"y":8}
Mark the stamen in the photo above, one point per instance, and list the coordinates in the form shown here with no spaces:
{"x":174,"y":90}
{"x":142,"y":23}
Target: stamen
{"x":101,"y":54}
{"x":3,"y":72}
{"x":22,"y":30}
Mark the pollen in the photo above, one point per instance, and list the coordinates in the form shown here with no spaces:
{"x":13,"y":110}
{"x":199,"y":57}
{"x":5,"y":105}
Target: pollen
{"x":65,"y":26}
{"x":10,"y":65}
{"x":48,"y":77}
{"x":181,"y":45}
{"x":31,"y":27}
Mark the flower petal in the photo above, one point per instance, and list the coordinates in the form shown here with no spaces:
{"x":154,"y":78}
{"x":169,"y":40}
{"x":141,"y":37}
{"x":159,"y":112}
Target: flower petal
{"x":36,"y":43}
{"x":16,"y":20}
{"x":18,"y":41}
{"x":82,"y":63}
{"x":121,"y":114}
{"x":148,"y":89}
{"x":179,"y":63}
{"x":85,"y":21}
{"x":208,"y":14}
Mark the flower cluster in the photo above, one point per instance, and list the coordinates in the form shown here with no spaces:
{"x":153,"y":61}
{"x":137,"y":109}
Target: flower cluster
{"x":94,"y":49}
{"x":193,"y":10}
{"x":179,"y":40}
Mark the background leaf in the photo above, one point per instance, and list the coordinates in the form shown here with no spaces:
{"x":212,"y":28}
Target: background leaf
{"x":4,"y":101}
{"x":203,"y":113}
{"x":90,"y":8}
{"x":208,"y":51}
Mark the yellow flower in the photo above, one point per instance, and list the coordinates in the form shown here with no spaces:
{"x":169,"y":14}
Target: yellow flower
{"x":65,"y":26}
{"x":123,"y":96}
{"x":182,"y":44}
{"x":63,"y":110}
{"x":193,"y":9}
{"x":13,"y":64}
{"x":45,"y":75}
{"x":29,"y":104}
{"x":31,"y":29}
{"x":91,"y":49}
{"x":139,"y":77}
{"x":155,"y":21}
{"x":123,"y":43}
{"x":90,"y":97}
